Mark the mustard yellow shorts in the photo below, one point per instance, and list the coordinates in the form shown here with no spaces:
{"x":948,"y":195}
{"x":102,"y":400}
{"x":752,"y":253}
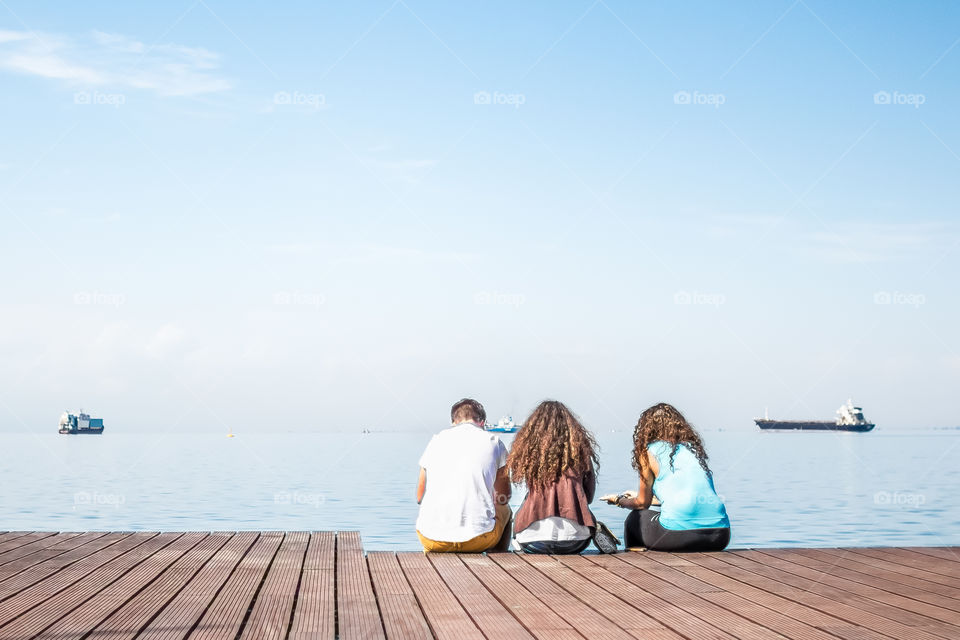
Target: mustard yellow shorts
{"x":483,"y":542}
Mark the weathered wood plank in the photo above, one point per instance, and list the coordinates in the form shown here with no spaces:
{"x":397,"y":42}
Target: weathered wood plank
{"x":127,"y":621}
{"x":45,"y":614}
{"x":53,"y":584}
{"x":444,"y":614}
{"x":179,"y":616}
{"x":836,"y":576}
{"x":14,"y":576}
{"x":270,"y":617}
{"x":357,"y":610}
{"x":81,"y":620}
{"x":843,"y":604}
{"x":225,"y":617}
{"x":402,"y":617}
{"x":571,"y":573}
{"x":321,"y":586}
{"x":539,"y":619}
{"x":482,"y":607}
{"x":587,"y":621}
{"x":315,"y":615}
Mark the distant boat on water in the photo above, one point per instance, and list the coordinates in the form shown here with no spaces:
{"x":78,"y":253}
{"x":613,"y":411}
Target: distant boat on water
{"x":76,"y":423}
{"x":849,"y":418}
{"x":505,"y":425}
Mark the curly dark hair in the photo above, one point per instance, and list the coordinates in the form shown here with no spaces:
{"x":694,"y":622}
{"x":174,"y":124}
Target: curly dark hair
{"x":664,"y":422}
{"x":551,"y":442}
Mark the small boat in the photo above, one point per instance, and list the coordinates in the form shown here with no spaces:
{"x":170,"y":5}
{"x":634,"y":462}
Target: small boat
{"x":76,"y":423}
{"x":505,"y":425}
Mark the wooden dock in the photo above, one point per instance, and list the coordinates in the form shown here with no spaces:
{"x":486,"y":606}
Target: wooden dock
{"x":229,"y":586}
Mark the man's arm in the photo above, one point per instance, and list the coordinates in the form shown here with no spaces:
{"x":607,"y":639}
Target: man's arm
{"x":421,"y":485}
{"x":501,"y":486}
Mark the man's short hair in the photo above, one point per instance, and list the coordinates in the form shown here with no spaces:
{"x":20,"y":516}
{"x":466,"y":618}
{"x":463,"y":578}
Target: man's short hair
{"x":468,"y":410}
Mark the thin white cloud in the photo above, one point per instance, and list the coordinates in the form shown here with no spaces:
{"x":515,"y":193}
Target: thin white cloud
{"x":878,"y":242}
{"x":115,"y":61}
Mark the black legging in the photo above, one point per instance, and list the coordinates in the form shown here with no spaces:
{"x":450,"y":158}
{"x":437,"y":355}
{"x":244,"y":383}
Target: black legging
{"x":643,"y":529}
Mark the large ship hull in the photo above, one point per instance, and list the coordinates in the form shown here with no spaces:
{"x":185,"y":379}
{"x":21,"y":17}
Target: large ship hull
{"x":812,"y":425}
{"x":75,"y":431}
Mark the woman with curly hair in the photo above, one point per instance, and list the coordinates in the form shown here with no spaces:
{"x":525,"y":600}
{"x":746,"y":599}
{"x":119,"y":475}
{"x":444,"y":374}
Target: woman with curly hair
{"x":556,"y":458}
{"x":669,"y":456}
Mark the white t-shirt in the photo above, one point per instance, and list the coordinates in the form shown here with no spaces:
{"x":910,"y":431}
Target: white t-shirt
{"x":461,"y":464}
{"x":554,"y":529}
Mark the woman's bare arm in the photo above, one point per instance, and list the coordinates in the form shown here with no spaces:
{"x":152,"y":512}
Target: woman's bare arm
{"x":421,"y":485}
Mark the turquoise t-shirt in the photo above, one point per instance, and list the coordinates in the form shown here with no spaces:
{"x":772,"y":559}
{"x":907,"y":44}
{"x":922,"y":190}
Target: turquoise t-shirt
{"x":686,"y":494}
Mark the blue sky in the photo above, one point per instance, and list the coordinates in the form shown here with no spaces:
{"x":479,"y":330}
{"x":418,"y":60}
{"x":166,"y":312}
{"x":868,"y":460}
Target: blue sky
{"x":301,"y":217}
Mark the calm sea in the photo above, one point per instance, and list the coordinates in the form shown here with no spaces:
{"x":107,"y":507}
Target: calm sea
{"x":781,"y":489}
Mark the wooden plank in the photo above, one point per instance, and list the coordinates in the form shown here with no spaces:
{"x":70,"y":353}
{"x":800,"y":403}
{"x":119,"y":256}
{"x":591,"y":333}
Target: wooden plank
{"x":878,"y":573}
{"x":793,"y":619}
{"x":357,"y":612}
{"x":586,"y":621}
{"x":52,"y":585}
{"x":128,"y":620}
{"x":482,"y":607}
{"x":909,"y":563}
{"x":315,"y":615}
{"x":539,"y":619}
{"x":47,"y":561}
{"x":13,"y":542}
{"x":825,"y":574}
{"x":442,"y":610}
{"x":182,"y":613}
{"x":951,"y":554}
{"x":401,"y":615}
{"x":571,"y":572}
{"x":45,"y":614}
{"x":81,"y":620}
{"x":795,"y":602}
{"x":273,"y":608}
{"x":837,"y":602}
{"x":225,"y":617}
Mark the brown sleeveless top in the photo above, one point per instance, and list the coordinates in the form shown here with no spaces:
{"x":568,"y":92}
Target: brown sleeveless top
{"x":569,"y":498}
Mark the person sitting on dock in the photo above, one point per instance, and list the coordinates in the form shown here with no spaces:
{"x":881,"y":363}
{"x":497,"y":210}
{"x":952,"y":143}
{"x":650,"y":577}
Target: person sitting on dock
{"x":669,"y":456}
{"x":556,"y":458}
{"x":464,"y":486}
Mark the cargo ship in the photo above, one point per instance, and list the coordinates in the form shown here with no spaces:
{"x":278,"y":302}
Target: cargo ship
{"x":849,"y":418}
{"x":75,"y":423}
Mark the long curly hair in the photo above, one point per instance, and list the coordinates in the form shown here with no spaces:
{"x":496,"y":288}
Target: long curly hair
{"x":551,"y":442}
{"x":664,"y":422}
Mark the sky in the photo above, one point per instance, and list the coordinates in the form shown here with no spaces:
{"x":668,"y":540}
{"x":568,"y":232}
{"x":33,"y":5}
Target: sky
{"x":300,"y":216}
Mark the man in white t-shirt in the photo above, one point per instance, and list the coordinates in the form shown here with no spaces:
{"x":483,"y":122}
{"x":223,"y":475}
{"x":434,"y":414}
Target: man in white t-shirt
{"x":464,"y":486}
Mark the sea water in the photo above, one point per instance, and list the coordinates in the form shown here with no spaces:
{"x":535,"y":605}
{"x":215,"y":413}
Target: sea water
{"x":885,"y":488}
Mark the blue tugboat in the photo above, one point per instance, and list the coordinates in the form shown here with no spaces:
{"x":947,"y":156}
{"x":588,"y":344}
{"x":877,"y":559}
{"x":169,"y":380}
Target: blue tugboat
{"x":506,"y":425}
{"x":75,"y":423}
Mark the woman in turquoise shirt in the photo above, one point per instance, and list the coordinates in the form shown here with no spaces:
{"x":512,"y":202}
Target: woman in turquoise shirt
{"x":669,"y":455}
